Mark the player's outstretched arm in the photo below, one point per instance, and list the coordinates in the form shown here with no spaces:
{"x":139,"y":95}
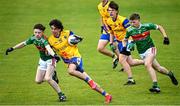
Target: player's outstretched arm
{"x":18,"y":46}
{"x":163,"y":32}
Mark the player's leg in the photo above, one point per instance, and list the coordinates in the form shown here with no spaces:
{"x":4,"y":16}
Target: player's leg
{"x":40,"y":73}
{"x":97,"y":88}
{"x":165,"y":71}
{"x":134,"y":62}
{"x":72,"y":71}
{"x":123,"y":61}
{"x":48,"y":77}
{"x":76,"y":69}
{"x":148,"y":61}
{"x":127,"y":69}
{"x":103,"y":41}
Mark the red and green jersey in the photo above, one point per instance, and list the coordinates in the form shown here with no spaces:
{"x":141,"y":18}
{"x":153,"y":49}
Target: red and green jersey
{"x":40,"y":45}
{"x":141,"y":36}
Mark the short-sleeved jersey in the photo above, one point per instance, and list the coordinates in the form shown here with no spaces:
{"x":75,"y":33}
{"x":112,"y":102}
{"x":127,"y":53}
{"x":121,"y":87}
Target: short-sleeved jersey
{"x":118,"y":27}
{"x":103,"y":10}
{"x":62,"y":47}
{"x":40,"y":45}
{"x":141,"y":36}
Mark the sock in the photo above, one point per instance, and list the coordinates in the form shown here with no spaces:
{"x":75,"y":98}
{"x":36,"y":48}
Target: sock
{"x":87,"y":79}
{"x":155,"y":84}
{"x":130,"y":79}
{"x":60,"y":94}
{"x":104,"y":93}
{"x":170,"y":73}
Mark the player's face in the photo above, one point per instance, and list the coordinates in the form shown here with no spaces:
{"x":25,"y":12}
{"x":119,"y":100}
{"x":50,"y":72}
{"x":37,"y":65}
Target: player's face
{"x":112,"y":12}
{"x":135,"y":23}
{"x":38,"y":33}
{"x":55,"y":31}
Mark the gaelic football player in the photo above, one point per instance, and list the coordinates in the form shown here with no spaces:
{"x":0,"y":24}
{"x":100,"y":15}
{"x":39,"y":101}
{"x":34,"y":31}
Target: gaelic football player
{"x":47,"y":61}
{"x":105,"y":37}
{"x":117,"y":28}
{"x":146,"y":48}
{"x":68,"y":50}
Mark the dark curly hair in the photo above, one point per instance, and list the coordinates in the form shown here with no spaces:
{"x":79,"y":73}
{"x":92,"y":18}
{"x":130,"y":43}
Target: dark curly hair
{"x":57,"y":23}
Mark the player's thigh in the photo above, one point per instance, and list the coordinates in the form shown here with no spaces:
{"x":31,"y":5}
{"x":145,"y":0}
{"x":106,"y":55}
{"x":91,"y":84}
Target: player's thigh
{"x":41,"y":70}
{"x":51,"y":64}
{"x":130,"y":59}
{"x":40,"y":75}
{"x":102,"y":44}
{"x":71,"y":67}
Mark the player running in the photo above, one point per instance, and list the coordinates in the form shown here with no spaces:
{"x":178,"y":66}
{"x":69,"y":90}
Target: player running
{"x":146,"y":48}
{"x":68,"y":51}
{"x":105,"y":37}
{"x":118,"y":25}
{"x":47,"y":61}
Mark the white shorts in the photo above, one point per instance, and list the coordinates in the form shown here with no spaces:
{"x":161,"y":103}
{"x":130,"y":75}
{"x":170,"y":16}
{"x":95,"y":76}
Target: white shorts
{"x":151,"y":50}
{"x":44,"y":64}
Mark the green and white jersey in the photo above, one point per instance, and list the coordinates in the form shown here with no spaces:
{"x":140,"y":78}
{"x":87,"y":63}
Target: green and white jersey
{"x":40,"y":45}
{"x":141,"y":36}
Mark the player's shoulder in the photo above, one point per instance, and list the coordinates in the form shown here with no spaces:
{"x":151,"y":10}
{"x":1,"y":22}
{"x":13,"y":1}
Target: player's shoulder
{"x":66,"y":32}
{"x":122,"y":18}
{"x":32,"y":37}
{"x":130,"y":29}
{"x":146,"y":24}
{"x":99,"y":5}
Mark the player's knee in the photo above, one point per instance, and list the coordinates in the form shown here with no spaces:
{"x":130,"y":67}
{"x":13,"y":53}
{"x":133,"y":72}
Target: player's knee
{"x":38,"y":81}
{"x":148,"y":65}
{"x":70,"y":72}
{"x":100,"y":49}
{"x":48,"y":79}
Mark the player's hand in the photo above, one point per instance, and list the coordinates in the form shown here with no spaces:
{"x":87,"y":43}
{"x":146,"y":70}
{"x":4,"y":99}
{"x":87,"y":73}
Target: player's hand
{"x":77,"y":40}
{"x":57,"y":58}
{"x":131,"y":46}
{"x":9,"y":50}
{"x":113,"y":48}
{"x":102,"y":28}
{"x":166,"y":41}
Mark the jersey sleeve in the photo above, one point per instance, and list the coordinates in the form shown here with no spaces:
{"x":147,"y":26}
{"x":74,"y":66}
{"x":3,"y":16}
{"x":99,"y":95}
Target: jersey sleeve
{"x":29,"y":41}
{"x":126,"y":23}
{"x":46,"y":42}
{"x":152,"y":26}
{"x":127,"y":34}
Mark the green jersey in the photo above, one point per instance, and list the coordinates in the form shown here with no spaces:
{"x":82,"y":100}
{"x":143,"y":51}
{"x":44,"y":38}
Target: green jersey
{"x":141,"y":36}
{"x":40,"y":45}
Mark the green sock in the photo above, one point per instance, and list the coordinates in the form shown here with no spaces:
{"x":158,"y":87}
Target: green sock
{"x":60,"y":94}
{"x":170,"y":73}
{"x":155,"y":84}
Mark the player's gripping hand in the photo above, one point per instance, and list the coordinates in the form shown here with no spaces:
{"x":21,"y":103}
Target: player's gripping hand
{"x":76,"y":40}
{"x":57,"y":58}
{"x":113,"y":48}
{"x":9,"y":50}
{"x":166,"y":41}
